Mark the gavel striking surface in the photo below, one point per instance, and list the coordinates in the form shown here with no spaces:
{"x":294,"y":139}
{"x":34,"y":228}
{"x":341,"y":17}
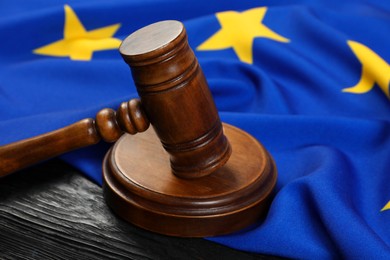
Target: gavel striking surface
{"x":147,"y":194}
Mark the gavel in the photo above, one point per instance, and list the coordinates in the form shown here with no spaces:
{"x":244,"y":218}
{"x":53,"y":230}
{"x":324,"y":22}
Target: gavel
{"x":190,"y":175}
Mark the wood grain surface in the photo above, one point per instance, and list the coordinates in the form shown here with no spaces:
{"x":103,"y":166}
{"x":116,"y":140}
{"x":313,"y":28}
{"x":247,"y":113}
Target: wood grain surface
{"x":52,"y":212}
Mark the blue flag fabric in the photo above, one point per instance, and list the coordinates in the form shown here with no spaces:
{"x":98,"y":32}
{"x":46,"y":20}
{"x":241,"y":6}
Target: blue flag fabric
{"x":308,"y":79}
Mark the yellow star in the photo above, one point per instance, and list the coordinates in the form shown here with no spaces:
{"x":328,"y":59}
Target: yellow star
{"x":374,"y":70}
{"x":78,"y":43}
{"x":386,"y":207}
{"x":238,"y":32}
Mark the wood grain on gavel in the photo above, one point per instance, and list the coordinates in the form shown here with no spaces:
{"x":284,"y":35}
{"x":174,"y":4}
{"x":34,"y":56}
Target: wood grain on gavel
{"x":176,"y":98}
{"x":109,"y":126}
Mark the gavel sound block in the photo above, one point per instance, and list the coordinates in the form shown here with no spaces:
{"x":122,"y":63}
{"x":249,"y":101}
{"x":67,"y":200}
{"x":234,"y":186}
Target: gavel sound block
{"x":189,"y":175}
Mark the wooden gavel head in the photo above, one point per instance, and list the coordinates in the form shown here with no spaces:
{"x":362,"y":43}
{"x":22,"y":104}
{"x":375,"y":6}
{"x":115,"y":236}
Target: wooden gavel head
{"x":181,"y":177}
{"x":176,"y":98}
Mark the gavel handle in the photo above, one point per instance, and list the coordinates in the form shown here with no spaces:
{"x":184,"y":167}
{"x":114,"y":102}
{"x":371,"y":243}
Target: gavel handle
{"x":109,"y":126}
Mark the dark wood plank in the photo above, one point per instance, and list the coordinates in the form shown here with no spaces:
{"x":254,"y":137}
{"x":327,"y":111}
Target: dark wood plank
{"x":52,"y":212}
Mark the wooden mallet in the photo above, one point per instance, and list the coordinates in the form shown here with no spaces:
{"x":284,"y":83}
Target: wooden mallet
{"x":189,"y":175}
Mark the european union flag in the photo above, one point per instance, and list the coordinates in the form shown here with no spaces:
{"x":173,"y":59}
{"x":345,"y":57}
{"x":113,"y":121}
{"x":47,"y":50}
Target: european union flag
{"x":310,"y":80}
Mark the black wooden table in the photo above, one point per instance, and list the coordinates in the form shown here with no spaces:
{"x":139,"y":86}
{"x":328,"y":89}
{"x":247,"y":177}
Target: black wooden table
{"x":52,"y":212}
